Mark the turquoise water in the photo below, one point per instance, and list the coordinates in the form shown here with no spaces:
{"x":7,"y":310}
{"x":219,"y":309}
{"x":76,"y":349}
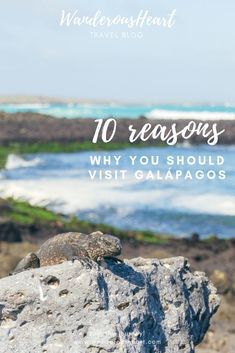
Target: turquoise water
{"x":179,"y":207}
{"x":124,"y":111}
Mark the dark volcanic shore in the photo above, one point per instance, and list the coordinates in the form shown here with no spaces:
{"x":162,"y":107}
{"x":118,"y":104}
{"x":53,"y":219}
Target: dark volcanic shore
{"x":31,"y":127}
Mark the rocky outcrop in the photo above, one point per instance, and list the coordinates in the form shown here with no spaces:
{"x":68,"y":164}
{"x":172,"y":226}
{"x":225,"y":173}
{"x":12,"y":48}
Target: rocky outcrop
{"x":33,"y":127}
{"x":140,"y":305}
{"x":9,"y":231}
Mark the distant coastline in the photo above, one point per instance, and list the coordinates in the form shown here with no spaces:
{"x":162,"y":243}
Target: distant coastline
{"x":21,"y":99}
{"x":73,"y":108}
{"x":37,"y":99}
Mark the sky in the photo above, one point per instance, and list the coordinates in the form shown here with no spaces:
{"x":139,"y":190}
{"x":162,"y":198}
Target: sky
{"x":192,"y":62}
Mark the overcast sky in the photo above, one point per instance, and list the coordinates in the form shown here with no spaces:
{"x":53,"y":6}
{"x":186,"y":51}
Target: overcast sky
{"x":194,"y":61}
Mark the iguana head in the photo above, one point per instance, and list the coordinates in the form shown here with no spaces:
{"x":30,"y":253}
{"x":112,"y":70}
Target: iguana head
{"x":104,"y":245}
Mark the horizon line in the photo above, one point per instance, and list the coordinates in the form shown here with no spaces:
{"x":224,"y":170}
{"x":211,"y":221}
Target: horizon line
{"x":48,"y":99}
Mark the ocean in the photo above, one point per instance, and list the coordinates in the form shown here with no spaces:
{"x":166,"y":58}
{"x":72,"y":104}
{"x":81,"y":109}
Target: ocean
{"x":160,"y":111}
{"x":180,"y":207}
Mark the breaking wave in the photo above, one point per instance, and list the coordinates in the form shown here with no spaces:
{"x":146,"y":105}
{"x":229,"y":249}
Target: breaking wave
{"x":15,"y":162}
{"x":189,"y":115}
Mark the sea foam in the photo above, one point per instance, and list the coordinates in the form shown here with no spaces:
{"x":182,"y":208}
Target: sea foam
{"x":72,"y":195}
{"x":14,"y":162}
{"x":189,"y":115}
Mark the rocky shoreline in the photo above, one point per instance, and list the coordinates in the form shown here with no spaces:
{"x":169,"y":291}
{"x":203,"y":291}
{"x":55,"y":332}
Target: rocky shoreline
{"x":32,"y":127}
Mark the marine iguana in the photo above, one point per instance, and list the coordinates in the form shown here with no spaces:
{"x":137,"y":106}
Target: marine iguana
{"x":69,"y":247}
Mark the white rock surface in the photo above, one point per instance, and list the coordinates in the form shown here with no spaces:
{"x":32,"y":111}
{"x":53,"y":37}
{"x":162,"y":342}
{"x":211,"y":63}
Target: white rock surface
{"x":144,"y":306}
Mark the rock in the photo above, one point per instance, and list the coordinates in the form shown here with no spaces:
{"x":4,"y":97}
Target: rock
{"x":4,"y":206}
{"x":142,"y":305}
{"x":221,"y":280}
{"x":233,"y":285}
{"x":10,"y":232}
{"x":195,"y":237}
